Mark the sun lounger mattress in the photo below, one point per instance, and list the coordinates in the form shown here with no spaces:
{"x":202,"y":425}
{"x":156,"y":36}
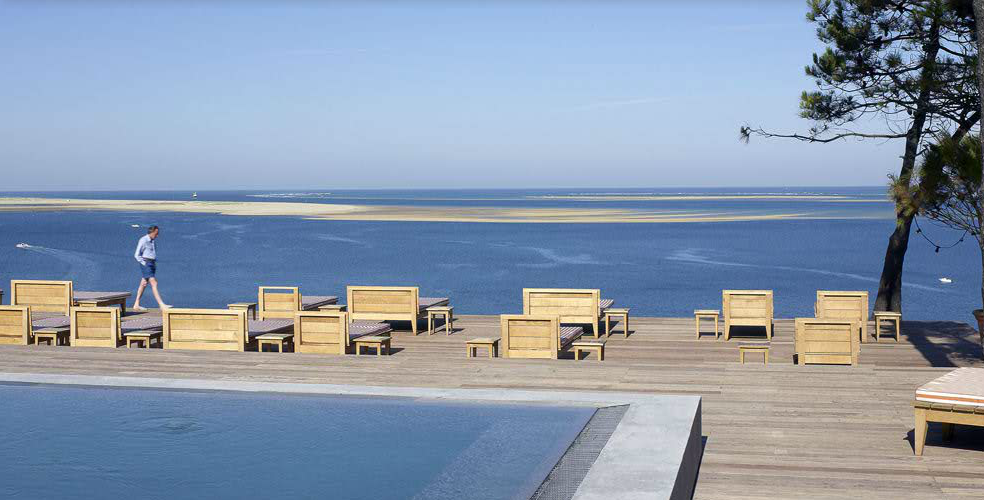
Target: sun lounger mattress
{"x":314,"y":301}
{"x":260,"y":327}
{"x":366,"y":328}
{"x":605,"y":304}
{"x":569,"y":334}
{"x":98,"y":295}
{"x":144,"y":322}
{"x":425,"y":302}
{"x":51,"y":322}
{"x":963,"y":386}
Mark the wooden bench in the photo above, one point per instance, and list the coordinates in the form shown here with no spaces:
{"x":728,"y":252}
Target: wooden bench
{"x":571,"y":305}
{"x":539,"y":336}
{"x":206,"y":329}
{"x":444,"y":311}
{"x":472,"y":346}
{"x":827,"y":341}
{"x":707,"y":314}
{"x":589,"y":346}
{"x":51,"y":336}
{"x":846,"y":305}
{"x":143,"y":338}
{"x":619,"y":312}
{"x":390,"y":303}
{"x":281,"y":302}
{"x":380,"y":343}
{"x":746,"y":347}
{"x":747,"y":308}
{"x":956,"y":398}
{"x":883,"y":316}
{"x":278,"y":340}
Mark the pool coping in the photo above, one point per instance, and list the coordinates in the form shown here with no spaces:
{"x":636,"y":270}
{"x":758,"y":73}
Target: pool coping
{"x":654,"y":452}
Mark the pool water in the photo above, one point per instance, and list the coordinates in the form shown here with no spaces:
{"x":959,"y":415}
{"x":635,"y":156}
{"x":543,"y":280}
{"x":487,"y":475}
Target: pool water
{"x":61,"y":442}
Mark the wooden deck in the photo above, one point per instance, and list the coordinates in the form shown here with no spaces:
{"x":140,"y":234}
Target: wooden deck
{"x":781,"y":431}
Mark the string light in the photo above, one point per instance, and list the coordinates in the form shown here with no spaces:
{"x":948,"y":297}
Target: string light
{"x":920,"y":232}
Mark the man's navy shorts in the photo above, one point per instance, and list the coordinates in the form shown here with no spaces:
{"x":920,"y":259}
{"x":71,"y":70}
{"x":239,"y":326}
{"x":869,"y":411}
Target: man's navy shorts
{"x":149,"y":269}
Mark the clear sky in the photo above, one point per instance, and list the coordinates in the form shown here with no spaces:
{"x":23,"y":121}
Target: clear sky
{"x":320,"y":94}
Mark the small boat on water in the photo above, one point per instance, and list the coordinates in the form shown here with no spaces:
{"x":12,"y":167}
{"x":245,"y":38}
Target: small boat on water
{"x":946,"y":280}
{"x":195,"y":194}
{"x":134,"y":225}
{"x":22,"y":245}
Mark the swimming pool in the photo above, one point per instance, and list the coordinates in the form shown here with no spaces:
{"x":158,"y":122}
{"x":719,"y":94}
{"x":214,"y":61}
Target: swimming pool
{"x":142,"y":443}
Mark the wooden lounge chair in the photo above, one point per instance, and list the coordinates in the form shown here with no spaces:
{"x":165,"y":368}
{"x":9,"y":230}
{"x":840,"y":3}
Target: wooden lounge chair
{"x":330,"y":332}
{"x":103,"y":326}
{"x":956,"y":398}
{"x":284,"y":301}
{"x":747,"y":308}
{"x":827,"y":341}
{"x":844,"y":305}
{"x":15,"y":325}
{"x":535,"y":336}
{"x":44,"y":297}
{"x":390,"y":303}
{"x":572,"y":305}
{"x":216,"y":329}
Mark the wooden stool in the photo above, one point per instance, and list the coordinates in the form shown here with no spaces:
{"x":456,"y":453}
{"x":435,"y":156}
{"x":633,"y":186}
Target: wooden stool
{"x":142,"y":337}
{"x":753,"y":347}
{"x":332,"y":308}
{"x":280,"y":340}
{"x":888,"y":316}
{"x":620,"y":312}
{"x":381,"y":344}
{"x":598,"y":346}
{"x":51,"y":336}
{"x":472,"y":346}
{"x":249,"y":307}
{"x":707,"y":314}
{"x":434,"y":312}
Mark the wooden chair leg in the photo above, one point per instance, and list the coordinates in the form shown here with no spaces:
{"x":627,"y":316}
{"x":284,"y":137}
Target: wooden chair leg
{"x":898,"y":329}
{"x":697,"y":326}
{"x":919,"y":434}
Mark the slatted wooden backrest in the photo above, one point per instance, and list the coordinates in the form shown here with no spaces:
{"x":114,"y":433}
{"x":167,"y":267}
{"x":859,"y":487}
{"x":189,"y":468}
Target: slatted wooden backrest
{"x":530,"y":336}
{"x":747,"y":307}
{"x":321,"y":332}
{"x":842,"y":305}
{"x":570,"y":304}
{"x":95,"y":326}
{"x":15,"y":325}
{"x":42,"y":295}
{"x":827,"y":340}
{"x":206,"y":329}
{"x":382,"y":302}
{"x":278,"y":302}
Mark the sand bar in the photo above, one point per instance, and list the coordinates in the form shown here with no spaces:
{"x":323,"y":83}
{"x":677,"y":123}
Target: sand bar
{"x":327,"y":211}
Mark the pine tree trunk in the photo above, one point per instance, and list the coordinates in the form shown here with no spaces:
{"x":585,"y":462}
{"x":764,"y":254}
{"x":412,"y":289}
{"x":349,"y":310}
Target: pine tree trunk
{"x":890,"y":286}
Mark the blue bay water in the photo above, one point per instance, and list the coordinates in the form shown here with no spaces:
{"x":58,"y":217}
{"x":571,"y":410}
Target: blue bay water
{"x":665,"y":269}
{"x":128,"y":443}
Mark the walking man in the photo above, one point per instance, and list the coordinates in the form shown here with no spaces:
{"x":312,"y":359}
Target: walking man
{"x":146,"y":255}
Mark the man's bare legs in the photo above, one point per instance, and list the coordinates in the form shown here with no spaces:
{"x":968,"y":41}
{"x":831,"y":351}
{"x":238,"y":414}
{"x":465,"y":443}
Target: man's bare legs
{"x":153,"y":288}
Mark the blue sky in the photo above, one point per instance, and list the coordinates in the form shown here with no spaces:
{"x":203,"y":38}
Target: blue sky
{"x":320,"y":94}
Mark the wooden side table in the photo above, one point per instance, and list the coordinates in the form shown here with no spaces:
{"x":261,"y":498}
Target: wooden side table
{"x":622,"y":312}
{"x":380,"y":343}
{"x":472,"y":346}
{"x":278,"y":340}
{"x":142,"y":338}
{"x":249,"y":307}
{"x":434,"y":312}
{"x":881,"y":316}
{"x":52,"y":336}
{"x":707,"y":314}
{"x":596,"y":346}
{"x":753,"y":347}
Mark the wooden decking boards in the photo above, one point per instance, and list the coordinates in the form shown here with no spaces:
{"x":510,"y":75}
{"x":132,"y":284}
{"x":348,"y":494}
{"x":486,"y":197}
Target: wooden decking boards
{"x":776,"y":431}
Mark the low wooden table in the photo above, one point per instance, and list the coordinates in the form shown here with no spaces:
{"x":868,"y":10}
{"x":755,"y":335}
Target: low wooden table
{"x":621,"y":312}
{"x":596,"y":346}
{"x":434,"y":312}
{"x":881,"y":316}
{"x":472,"y":346}
{"x":380,"y":343}
{"x":52,"y":336}
{"x":249,"y":307}
{"x":753,"y":347}
{"x":332,"y":308}
{"x":143,"y":338}
{"x":707,"y":314}
{"x":118,"y":300}
{"x":280,"y":340}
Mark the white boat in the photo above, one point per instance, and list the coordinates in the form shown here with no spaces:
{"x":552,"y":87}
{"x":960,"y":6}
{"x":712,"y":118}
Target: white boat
{"x":195,"y":194}
{"x":134,"y":225}
{"x":22,"y":245}
{"x":946,"y":280}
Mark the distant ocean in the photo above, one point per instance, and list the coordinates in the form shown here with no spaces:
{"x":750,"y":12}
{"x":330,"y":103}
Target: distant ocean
{"x":664,"y":269}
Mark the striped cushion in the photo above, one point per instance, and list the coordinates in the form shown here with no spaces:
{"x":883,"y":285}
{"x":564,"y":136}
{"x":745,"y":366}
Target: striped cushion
{"x":142,"y":322}
{"x":425,"y":302}
{"x":259,"y":327}
{"x":569,"y":334}
{"x":605,"y":304}
{"x":51,"y":322}
{"x":316,"y":301}
{"x":365,"y":328}
{"x":963,"y":386}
